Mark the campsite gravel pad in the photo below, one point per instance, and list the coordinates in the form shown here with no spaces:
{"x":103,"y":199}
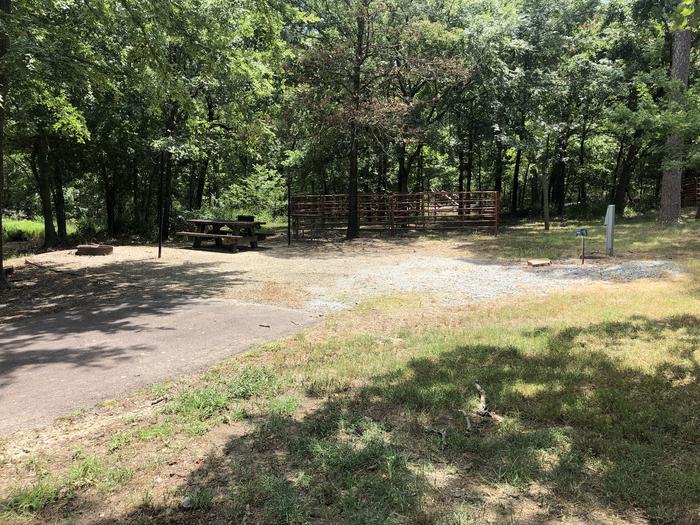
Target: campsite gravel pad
{"x":465,"y":281}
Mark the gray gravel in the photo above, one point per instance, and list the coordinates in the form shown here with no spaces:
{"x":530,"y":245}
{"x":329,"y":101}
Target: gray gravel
{"x":467,"y":281}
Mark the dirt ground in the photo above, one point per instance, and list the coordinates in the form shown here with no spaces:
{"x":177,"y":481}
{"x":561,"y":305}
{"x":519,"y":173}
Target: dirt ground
{"x":314,"y":276}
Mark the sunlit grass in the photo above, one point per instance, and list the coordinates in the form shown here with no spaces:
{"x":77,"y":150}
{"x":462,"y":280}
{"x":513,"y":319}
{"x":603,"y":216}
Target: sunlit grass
{"x":640,"y":237}
{"x":27,"y":230}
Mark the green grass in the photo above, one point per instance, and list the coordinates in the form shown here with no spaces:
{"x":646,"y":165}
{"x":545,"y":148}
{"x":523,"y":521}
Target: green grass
{"x":85,"y":472}
{"x":27,"y":230}
{"x":639,"y":238}
{"x":22,"y":230}
{"x":596,"y":398}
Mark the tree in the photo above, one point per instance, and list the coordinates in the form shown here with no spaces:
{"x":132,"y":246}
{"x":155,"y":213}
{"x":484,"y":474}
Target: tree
{"x":5,"y":12}
{"x":675,"y":147}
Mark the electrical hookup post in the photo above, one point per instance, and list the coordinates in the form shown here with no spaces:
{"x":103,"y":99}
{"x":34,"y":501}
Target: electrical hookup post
{"x":610,"y":230}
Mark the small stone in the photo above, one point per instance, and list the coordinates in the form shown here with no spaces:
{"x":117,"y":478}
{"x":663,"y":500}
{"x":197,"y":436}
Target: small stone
{"x":186,"y":502}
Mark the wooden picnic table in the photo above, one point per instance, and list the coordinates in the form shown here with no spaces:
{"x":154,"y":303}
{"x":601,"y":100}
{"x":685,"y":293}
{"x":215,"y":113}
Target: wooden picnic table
{"x":231,"y":233}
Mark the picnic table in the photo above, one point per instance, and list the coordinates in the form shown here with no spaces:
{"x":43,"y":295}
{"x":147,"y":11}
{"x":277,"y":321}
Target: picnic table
{"x":224,"y":232}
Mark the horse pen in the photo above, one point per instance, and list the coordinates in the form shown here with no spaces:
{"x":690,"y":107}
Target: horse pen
{"x":317,"y":215}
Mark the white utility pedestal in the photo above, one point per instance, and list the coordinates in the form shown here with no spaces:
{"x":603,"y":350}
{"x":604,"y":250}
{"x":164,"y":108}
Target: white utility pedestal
{"x":610,"y":230}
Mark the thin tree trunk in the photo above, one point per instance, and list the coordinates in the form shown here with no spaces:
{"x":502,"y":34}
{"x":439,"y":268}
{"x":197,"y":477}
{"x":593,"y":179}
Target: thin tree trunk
{"x":353,"y":208}
{"x":516,"y":180}
{"x":558,"y":178}
{"x":545,"y":187}
{"x":168,"y":194}
{"x":403,"y":171}
{"x":58,"y":199}
{"x":626,"y":171}
{"x":43,"y":178}
{"x":523,"y":190}
{"x":499,"y":166}
{"x":201,"y":180}
{"x":470,"y":161}
{"x":110,"y":199}
{"x":5,"y":9}
{"x":670,"y":202}
{"x":582,"y":195}
{"x":460,"y":180}
{"x":383,"y":178}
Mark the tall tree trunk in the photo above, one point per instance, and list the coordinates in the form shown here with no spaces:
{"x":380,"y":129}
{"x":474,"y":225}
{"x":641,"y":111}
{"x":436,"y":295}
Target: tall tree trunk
{"x":424,"y":186}
{"x":383,"y":175}
{"x":516,"y":180}
{"x":558,"y":178}
{"x":135,"y":194}
{"x":403,"y":169}
{"x":167,"y":194}
{"x":523,"y":190}
{"x":42,"y":173}
{"x":670,"y":202}
{"x":498,"y":172}
{"x":470,"y":161}
{"x":110,"y":198}
{"x":199,"y":189}
{"x":353,"y":208}
{"x":544,"y":182}
{"x":535,"y":193}
{"x":5,"y":9}
{"x":58,"y":198}
{"x":625,"y":176}
{"x":460,"y":180}
{"x":582,"y":195}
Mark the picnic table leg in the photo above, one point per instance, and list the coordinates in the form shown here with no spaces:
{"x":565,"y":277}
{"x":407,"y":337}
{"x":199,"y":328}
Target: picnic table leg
{"x":198,"y":240}
{"x":250,"y":232}
{"x":216,"y":229}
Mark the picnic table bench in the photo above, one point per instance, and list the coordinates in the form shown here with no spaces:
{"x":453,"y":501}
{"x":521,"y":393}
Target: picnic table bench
{"x":231,"y":233}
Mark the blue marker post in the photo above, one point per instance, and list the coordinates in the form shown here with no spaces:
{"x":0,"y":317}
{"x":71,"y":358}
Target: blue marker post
{"x":583,"y":233}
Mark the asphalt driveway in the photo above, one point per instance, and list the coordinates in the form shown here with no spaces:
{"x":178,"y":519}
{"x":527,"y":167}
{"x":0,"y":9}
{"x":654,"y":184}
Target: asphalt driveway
{"x":55,"y":364}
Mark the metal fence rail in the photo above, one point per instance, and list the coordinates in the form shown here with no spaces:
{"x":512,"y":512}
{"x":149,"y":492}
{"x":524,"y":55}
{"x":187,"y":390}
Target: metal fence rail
{"x":392,"y":212}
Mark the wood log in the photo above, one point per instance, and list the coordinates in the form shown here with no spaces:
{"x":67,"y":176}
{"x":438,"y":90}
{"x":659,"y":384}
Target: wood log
{"x":536,"y":263}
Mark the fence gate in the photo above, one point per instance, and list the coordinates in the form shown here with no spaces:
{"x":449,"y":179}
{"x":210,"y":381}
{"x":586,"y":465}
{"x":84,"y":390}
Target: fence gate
{"x":392,"y":212}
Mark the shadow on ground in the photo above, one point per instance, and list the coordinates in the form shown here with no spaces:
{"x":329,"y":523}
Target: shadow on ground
{"x":577,"y":435}
{"x":107,"y":299}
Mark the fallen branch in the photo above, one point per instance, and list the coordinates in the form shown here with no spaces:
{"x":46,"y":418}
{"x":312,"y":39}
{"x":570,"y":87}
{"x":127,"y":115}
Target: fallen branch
{"x":483,"y":411}
{"x":30,"y":263}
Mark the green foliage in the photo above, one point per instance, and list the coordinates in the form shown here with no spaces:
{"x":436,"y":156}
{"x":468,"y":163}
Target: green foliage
{"x":263,"y":193}
{"x":226,"y":100}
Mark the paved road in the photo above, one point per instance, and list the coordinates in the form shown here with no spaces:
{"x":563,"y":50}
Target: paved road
{"x":52,"y":365}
